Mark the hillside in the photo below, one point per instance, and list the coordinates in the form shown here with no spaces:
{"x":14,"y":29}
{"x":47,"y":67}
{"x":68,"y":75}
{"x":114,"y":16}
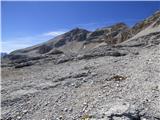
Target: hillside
{"x":111,"y":73}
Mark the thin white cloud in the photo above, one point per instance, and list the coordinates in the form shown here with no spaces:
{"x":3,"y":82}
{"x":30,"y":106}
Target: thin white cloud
{"x":54,"y":33}
{"x":12,"y":44}
{"x":9,"y":46}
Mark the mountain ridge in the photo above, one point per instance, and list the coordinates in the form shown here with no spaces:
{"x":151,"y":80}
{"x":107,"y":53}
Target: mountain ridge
{"x":113,"y":34}
{"x":81,"y":41}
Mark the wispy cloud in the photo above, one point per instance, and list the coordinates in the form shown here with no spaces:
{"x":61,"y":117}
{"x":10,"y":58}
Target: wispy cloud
{"x":54,"y":33}
{"x":8,"y":46}
{"x":15,"y":43}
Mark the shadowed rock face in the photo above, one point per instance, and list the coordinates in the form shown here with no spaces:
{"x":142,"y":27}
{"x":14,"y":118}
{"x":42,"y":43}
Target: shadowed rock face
{"x":76,"y":34}
{"x":60,"y":43}
{"x":44,"y":49}
{"x":15,"y":57}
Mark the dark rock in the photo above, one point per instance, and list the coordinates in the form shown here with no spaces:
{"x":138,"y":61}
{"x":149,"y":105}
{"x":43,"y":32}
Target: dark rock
{"x":24,"y":64}
{"x":28,"y":59}
{"x":76,"y":34}
{"x":118,"y":78}
{"x":60,"y":43}
{"x":44,"y":49}
{"x":20,"y":60}
{"x":15,"y":57}
{"x":89,"y":56}
{"x":115,"y":54}
{"x":97,"y":33}
{"x":37,"y":57}
{"x":83,"y":74}
{"x":62,"y":78}
{"x":131,"y":116}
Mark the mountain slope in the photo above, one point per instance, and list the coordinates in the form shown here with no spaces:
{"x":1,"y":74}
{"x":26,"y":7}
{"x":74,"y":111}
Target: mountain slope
{"x":107,"y":79}
{"x":78,"y":35}
{"x":78,"y":40}
{"x":152,"y":20}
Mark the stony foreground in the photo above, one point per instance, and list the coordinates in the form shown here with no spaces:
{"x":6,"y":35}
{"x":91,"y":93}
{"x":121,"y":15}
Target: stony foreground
{"x":102,"y":88}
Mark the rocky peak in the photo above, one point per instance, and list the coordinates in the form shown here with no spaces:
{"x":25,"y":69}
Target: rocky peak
{"x":111,"y":34}
{"x":76,"y":31}
{"x":117,"y":26}
{"x":76,"y":34}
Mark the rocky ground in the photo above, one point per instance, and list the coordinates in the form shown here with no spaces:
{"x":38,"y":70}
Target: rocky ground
{"x":100,"y":88}
{"x":105,"y":82}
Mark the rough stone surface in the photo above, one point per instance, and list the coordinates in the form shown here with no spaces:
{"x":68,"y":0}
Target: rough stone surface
{"x":108,"y":82}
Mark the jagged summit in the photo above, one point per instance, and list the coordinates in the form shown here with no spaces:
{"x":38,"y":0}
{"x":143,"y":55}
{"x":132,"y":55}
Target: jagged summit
{"x":110,"y":35}
{"x":77,"y":30}
{"x":119,"y":25}
{"x":76,"y":34}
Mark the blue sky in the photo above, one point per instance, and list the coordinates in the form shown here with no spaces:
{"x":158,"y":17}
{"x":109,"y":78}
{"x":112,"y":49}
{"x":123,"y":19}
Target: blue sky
{"x":29,"y":23}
